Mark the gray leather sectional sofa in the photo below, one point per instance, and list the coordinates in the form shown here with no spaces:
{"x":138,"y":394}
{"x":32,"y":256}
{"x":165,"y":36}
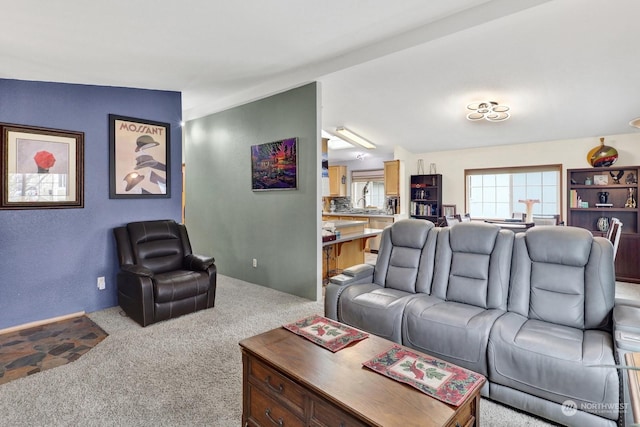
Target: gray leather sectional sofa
{"x":533,"y":311}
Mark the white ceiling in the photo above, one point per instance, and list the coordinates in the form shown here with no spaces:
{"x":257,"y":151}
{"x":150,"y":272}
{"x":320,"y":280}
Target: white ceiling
{"x":397,"y":73}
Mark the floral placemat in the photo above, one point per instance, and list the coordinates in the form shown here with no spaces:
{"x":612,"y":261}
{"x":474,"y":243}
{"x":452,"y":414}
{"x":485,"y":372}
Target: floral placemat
{"x":329,"y":334}
{"x":438,"y":379}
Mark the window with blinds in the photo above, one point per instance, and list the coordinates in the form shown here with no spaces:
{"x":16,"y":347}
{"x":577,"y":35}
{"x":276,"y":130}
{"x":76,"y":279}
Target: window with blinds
{"x":367,"y":188}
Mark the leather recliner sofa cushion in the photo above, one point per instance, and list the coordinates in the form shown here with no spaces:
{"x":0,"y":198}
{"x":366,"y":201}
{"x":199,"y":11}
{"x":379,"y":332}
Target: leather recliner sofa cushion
{"x":551,"y":361}
{"x":469,"y":293}
{"x":558,"y":324}
{"x":377,"y":307}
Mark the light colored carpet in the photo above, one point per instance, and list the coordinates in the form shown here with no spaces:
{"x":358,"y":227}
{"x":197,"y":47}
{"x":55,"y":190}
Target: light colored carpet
{"x":182,"y":372}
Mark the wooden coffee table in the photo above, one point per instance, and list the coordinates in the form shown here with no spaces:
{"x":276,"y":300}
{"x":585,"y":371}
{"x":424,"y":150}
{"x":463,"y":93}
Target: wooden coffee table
{"x":290,"y":381}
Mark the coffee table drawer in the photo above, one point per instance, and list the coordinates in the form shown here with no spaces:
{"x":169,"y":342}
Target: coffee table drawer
{"x":265,"y":411}
{"x":276,"y":385}
{"x":465,"y":415}
{"x":323,"y":414}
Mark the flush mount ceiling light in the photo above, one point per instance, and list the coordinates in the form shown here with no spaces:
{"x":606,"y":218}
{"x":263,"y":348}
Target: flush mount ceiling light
{"x":355,"y":138}
{"x":635,"y":123}
{"x":488,"y":110}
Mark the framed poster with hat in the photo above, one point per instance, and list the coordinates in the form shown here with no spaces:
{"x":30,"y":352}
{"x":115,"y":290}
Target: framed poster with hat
{"x":138,"y":158}
{"x":41,"y":168}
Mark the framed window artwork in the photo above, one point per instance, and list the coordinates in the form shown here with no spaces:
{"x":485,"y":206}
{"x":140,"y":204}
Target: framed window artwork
{"x":41,"y":168}
{"x":139,"y":163}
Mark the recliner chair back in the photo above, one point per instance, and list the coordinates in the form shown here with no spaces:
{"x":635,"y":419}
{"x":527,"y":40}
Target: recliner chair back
{"x":401,"y":264}
{"x":473,"y":265}
{"x":159,"y":246}
{"x":563,"y":275}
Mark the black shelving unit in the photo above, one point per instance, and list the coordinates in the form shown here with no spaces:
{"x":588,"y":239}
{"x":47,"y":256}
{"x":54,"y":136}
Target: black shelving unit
{"x":426,"y":197}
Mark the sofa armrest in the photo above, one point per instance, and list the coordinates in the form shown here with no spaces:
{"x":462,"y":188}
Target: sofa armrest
{"x":361,"y":273}
{"x":626,"y":327}
{"x":331,"y":297}
{"x":137,"y":270}
{"x":198,"y":262}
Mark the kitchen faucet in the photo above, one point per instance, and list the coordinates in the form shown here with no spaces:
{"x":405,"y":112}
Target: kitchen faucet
{"x":365,"y":190}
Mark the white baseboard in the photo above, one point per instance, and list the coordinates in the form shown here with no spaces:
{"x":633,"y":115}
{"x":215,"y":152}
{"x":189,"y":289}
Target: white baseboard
{"x":40,"y":322}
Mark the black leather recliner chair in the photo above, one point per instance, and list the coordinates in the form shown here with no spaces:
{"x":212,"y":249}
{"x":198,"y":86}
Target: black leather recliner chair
{"x":160,"y":278}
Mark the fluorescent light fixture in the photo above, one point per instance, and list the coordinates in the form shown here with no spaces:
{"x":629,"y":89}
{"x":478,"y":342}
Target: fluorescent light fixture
{"x":335,"y":143}
{"x":355,"y":138}
{"x":635,"y":123}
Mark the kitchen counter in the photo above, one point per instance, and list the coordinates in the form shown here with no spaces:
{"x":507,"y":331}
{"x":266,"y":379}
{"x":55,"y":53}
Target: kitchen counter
{"x":368,"y":232}
{"x":345,"y":251}
{"x":344,"y":223}
{"x":364,"y":215}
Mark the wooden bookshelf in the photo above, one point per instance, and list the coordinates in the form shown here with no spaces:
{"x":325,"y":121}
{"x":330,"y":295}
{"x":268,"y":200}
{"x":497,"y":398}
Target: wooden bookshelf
{"x":586,"y":184}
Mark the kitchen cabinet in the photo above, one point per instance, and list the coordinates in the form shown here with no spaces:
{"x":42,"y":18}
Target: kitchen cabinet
{"x":337,"y":181}
{"x":426,"y":197}
{"x":392,"y":178}
{"x":380,"y":223}
{"x":586,"y":209}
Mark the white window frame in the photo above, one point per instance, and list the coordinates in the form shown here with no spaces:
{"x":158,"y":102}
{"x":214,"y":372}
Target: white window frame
{"x":538,"y":208}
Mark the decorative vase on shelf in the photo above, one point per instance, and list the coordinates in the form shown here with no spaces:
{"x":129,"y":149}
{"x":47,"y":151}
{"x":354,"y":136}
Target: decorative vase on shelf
{"x":603,"y":196}
{"x":603,"y":224}
{"x":602,"y":155}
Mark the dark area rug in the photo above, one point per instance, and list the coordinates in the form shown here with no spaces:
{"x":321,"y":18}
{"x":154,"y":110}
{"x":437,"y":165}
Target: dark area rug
{"x":28,"y":351}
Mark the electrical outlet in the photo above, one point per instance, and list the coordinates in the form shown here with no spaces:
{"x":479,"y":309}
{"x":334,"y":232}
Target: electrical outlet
{"x":101,"y":283}
{"x":255,"y":263}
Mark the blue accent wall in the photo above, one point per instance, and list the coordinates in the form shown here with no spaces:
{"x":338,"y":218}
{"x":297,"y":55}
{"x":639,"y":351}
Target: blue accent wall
{"x":50,"y":258}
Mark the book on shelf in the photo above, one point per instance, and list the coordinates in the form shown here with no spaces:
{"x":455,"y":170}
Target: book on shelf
{"x":574,"y":199}
{"x":604,"y":205}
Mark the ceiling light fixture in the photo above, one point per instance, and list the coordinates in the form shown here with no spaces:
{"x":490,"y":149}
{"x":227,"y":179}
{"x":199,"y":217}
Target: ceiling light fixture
{"x":635,"y":123}
{"x":355,"y":138}
{"x":488,"y":110}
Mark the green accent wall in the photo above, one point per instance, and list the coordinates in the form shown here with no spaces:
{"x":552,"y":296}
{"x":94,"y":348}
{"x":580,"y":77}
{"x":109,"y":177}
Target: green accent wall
{"x":229,"y":221}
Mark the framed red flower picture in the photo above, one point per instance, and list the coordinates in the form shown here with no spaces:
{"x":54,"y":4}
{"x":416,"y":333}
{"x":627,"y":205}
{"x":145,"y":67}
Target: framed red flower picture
{"x":41,"y":168}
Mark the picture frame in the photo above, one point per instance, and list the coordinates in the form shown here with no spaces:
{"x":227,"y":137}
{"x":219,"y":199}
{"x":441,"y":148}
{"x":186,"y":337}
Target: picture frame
{"x":601,"y":179}
{"x":139,"y":158}
{"x":41,"y":168}
{"x":274,"y":165}
{"x":448,"y":210}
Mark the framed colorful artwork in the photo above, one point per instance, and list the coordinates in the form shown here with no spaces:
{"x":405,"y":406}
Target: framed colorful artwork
{"x":41,"y":168}
{"x":274,"y":165}
{"x":139,"y":163}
